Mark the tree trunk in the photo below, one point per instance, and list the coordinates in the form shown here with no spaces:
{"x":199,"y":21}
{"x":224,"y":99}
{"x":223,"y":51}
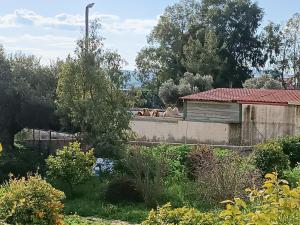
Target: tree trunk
{"x":7,"y":139}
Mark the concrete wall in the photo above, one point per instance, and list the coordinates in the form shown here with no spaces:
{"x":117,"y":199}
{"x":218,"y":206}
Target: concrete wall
{"x":261,"y":122}
{"x":176,"y":130}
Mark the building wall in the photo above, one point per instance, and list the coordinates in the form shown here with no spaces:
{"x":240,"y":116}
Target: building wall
{"x":261,"y":122}
{"x":217,"y":112}
{"x":258,"y":123}
{"x":175,"y":130}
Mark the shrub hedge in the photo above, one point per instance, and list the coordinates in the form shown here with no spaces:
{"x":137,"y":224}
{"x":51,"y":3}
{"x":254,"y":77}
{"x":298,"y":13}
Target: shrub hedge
{"x":30,"y":201}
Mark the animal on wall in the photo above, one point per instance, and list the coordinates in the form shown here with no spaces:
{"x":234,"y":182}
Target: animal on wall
{"x":175,"y":112}
{"x":171,"y":112}
{"x":168,"y":112}
{"x":146,"y":112}
{"x":155,"y":113}
{"x":139,"y":113}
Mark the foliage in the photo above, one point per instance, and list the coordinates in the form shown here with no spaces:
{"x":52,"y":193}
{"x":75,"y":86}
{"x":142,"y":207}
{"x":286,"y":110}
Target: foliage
{"x":168,"y":92}
{"x":274,"y":203}
{"x":205,"y":37}
{"x":291,"y":147}
{"x":30,"y":201}
{"x":182,"y":216}
{"x":264,"y":82}
{"x":122,"y":189}
{"x":199,"y":158}
{"x":144,"y":98}
{"x":269,"y":156}
{"x":17,"y":163}
{"x":221,"y":152}
{"x":90,"y":96}
{"x":89,"y":201}
{"x":282,"y":47}
{"x":220,"y":177}
{"x":173,"y":158}
{"x":190,"y":83}
{"x":146,"y":172}
{"x":71,"y":165}
{"x":27,"y":91}
{"x":293,"y":176}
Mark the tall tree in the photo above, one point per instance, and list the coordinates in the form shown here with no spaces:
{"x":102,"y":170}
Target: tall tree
{"x":282,"y":47}
{"x":89,"y":95}
{"x":208,"y":37}
{"x":27,"y":93}
{"x":235,"y":23}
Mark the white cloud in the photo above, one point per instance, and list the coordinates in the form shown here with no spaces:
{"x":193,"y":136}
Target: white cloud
{"x":110,"y":23}
{"x":48,"y":47}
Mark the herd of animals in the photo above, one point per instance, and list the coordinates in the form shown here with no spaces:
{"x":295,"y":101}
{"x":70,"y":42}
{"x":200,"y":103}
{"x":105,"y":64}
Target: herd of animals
{"x":155,"y":112}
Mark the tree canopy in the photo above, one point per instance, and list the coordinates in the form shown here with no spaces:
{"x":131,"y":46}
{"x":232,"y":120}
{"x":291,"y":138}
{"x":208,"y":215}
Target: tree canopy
{"x":27,"y":93}
{"x":217,"y":38}
{"x":89,"y":96}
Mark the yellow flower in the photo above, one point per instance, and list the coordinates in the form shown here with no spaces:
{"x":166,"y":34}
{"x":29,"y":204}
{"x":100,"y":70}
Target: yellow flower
{"x":40,"y":214}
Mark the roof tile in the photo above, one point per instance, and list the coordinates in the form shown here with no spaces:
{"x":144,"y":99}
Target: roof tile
{"x":243,"y":95}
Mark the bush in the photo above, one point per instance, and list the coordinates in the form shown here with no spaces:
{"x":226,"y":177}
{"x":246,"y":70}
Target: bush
{"x":274,"y":203}
{"x":223,"y":177}
{"x":71,"y":165}
{"x":30,"y":201}
{"x":293,"y":176}
{"x":173,"y":158}
{"x":291,"y":147}
{"x":182,"y":216}
{"x":269,"y":156}
{"x":16,"y":162}
{"x":198,"y":159}
{"x":146,"y":172}
{"x":123,"y":189}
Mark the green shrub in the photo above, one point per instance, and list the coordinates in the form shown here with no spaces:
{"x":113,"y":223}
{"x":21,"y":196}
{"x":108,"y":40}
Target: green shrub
{"x":123,"y":189}
{"x":274,"y":203}
{"x":179,"y":216}
{"x":146,"y":172}
{"x":220,"y":152}
{"x":173,"y":158}
{"x":16,"y":162}
{"x":293,"y":175}
{"x":71,"y":165}
{"x":291,"y":147}
{"x":269,"y":156}
{"x":30,"y":201}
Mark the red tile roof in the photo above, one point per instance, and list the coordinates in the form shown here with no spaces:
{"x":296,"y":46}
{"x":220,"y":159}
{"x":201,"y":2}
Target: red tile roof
{"x":243,"y":95}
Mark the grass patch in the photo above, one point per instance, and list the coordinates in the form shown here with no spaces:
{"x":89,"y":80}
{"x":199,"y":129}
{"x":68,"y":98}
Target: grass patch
{"x":77,"y":220}
{"x":88,"y":201}
{"x":134,"y":213}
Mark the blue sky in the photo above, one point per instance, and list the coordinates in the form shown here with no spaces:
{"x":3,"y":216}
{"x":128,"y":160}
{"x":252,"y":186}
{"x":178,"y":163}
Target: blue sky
{"x":49,"y":28}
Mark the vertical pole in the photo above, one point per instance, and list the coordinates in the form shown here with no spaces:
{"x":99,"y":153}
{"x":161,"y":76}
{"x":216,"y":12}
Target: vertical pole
{"x":86,"y":27}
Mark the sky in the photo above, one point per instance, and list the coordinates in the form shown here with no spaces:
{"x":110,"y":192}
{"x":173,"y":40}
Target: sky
{"x":50,"y":28}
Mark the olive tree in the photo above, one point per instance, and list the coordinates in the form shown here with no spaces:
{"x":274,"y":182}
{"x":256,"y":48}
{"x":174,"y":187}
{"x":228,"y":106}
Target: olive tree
{"x":27,"y":93}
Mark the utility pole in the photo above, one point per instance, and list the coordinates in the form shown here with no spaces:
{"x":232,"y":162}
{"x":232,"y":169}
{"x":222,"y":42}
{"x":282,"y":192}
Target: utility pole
{"x":87,"y":24}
